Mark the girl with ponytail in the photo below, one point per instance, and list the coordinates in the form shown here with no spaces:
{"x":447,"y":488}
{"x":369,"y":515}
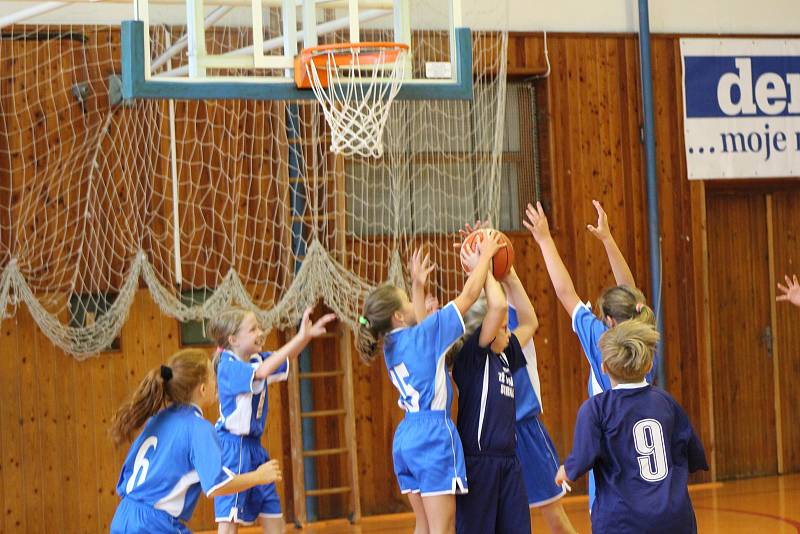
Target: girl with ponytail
{"x":176,"y":454}
{"x":427,"y":451}
{"x":616,"y":305}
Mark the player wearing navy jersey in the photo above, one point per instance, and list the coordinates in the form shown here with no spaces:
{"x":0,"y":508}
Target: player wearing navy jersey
{"x":426,"y":451}
{"x":616,"y":304}
{"x":483,"y":371}
{"x":639,"y":442}
{"x":243,"y":372}
{"x":177,"y":453}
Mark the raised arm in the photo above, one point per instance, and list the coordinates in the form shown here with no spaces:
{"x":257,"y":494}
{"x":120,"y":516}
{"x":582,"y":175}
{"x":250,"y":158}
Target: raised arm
{"x":562,"y":283}
{"x":305,"y":334}
{"x":496,"y":307}
{"x":420,"y":267}
{"x":526,"y":315}
{"x":477,"y":277}
{"x":622,"y":272}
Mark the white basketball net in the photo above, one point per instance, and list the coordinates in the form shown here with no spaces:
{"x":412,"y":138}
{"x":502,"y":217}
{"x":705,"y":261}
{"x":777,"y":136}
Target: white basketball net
{"x":206,"y":203}
{"x":358,"y":96}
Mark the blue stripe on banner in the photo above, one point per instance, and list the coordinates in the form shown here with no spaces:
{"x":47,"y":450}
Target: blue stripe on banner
{"x":742,"y":86}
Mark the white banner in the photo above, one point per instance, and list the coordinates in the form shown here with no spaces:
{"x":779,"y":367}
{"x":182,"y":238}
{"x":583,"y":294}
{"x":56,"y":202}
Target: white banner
{"x":741,"y":107}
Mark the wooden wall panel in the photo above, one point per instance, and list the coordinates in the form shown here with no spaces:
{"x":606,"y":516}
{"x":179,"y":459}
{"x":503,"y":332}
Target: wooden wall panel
{"x":786,"y":224}
{"x":591,"y":125}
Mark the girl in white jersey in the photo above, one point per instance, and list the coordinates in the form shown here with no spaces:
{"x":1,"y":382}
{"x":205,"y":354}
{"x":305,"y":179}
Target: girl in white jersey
{"x":427,"y":453}
{"x":177,"y":452}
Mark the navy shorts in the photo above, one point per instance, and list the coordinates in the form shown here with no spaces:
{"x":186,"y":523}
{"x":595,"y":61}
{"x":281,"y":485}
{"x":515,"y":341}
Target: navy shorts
{"x":496,"y":502}
{"x":539,"y":461}
{"x":427,"y":453}
{"x":242,"y":454}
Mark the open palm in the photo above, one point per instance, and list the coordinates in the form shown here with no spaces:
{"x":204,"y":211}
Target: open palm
{"x":791,"y":291}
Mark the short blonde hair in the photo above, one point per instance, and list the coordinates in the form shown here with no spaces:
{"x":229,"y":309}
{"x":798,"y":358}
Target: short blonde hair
{"x":628,"y":350}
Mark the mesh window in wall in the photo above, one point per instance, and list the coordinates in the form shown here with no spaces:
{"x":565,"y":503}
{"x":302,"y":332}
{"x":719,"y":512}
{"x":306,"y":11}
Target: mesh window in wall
{"x":193,"y":333}
{"x":86,"y":308}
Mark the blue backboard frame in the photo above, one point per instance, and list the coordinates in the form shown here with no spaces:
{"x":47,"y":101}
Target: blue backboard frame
{"x":135,"y":83}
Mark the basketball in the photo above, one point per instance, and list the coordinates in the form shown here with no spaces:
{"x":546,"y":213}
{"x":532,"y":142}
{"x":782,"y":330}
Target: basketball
{"x":501,"y":262}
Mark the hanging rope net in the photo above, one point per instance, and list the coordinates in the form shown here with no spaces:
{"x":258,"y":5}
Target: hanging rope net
{"x":208,"y":203}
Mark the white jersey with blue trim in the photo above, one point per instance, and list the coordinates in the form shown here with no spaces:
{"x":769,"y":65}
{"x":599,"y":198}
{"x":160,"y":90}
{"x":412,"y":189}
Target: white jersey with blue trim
{"x":527,"y":387}
{"x":243,"y":398}
{"x":589,"y":329}
{"x":176,"y":454}
{"x":415,"y":359}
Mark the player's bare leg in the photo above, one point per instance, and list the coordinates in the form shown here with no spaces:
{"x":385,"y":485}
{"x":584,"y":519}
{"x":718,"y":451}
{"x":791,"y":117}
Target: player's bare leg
{"x":271,"y":525}
{"x":227,"y":528}
{"x":441,"y":513}
{"x":556,"y":519}
{"x":419,"y":513}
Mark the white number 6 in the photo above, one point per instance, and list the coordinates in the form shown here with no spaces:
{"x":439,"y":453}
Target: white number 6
{"x":649,"y":440}
{"x":141,"y":464}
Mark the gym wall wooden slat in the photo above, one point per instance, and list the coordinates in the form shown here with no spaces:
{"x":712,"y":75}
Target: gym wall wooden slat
{"x":593,"y":122}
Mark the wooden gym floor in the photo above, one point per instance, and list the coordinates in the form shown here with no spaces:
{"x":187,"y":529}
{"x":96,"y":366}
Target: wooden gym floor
{"x":762,"y":505}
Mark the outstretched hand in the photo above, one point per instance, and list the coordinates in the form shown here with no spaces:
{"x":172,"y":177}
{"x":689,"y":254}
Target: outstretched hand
{"x":490,"y":244}
{"x":601,"y":231}
{"x":790,"y":291}
{"x":309,"y":329}
{"x":468,"y":229}
{"x":537,"y":222}
{"x":420,"y":267}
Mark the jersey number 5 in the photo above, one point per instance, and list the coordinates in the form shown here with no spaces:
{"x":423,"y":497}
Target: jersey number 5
{"x":649,"y":440}
{"x":409,"y":397}
{"x":141,"y":464}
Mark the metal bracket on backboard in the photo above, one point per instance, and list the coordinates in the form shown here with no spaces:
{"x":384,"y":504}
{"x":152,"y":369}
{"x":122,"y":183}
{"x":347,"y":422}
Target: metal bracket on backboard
{"x":135,"y":84}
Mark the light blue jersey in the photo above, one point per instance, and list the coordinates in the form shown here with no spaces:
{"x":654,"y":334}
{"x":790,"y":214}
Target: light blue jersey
{"x":527,"y":387}
{"x":589,"y":329}
{"x":176,"y":454}
{"x":242,"y":398}
{"x":426,"y":451}
{"x":415,"y":359}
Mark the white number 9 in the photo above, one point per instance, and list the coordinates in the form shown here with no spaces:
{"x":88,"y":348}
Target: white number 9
{"x":649,"y":440}
{"x":141,"y":464}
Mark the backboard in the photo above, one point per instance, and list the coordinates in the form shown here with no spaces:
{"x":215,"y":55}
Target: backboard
{"x":246,"y":49}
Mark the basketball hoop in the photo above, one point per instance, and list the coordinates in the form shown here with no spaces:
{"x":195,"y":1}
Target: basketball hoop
{"x":356,"y":84}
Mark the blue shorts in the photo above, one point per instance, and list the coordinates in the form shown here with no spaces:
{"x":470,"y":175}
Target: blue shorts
{"x":242,"y":454}
{"x":133,"y":517}
{"x":427,"y":454}
{"x":496,"y":501}
{"x":539,"y":461}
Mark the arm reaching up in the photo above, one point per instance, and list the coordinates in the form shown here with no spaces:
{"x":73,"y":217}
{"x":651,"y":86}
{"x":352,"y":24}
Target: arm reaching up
{"x":477,"y":278}
{"x":496,"y":309}
{"x":562,"y":283}
{"x":622,"y":272}
{"x":308,"y":330}
{"x":420,"y":268}
{"x":528,"y":323}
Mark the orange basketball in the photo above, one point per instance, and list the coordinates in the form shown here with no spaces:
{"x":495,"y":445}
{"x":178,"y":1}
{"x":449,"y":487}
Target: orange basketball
{"x":501,"y":262}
